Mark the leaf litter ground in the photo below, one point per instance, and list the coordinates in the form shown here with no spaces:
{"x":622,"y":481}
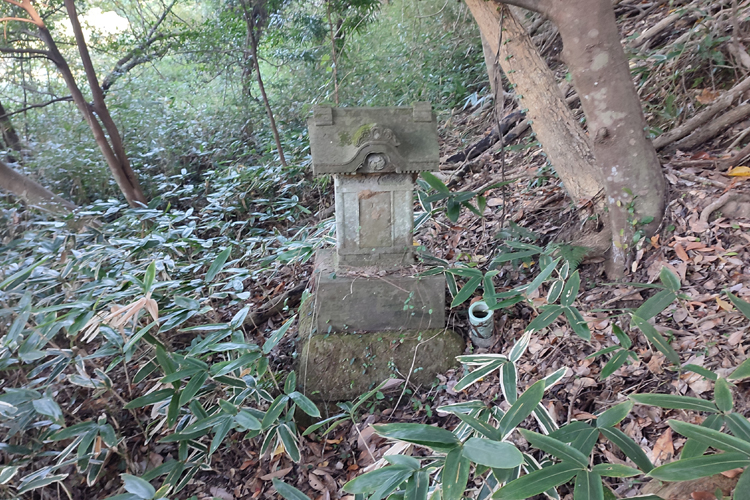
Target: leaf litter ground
{"x":703,"y":327}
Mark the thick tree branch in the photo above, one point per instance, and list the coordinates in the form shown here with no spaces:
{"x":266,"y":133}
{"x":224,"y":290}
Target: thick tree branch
{"x":541,"y":6}
{"x":37,"y":52}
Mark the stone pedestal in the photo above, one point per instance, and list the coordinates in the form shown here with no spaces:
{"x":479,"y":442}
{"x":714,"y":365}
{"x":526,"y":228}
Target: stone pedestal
{"x":369,"y":319}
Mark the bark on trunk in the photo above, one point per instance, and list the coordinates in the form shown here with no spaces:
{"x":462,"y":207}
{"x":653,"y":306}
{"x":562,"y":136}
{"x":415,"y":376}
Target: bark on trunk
{"x":632,"y":175}
{"x":8,"y":133}
{"x":115,"y":154}
{"x":562,"y":140}
{"x":32,"y":192}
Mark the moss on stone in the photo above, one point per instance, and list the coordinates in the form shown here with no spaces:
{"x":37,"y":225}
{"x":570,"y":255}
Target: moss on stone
{"x":341,"y":366}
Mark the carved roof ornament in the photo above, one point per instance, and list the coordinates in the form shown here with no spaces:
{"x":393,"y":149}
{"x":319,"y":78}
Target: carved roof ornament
{"x":376,"y":134}
{"x":373,"y":140}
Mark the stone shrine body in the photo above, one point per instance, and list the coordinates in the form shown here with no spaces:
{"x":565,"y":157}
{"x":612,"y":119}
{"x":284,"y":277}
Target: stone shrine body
{"x":368,"y":312}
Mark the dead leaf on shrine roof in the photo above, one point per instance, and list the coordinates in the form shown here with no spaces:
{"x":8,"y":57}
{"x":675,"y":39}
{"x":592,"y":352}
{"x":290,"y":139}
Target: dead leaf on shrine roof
{"x":664,"y":448}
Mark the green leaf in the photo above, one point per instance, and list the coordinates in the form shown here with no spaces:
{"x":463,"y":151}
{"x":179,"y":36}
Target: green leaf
{"x":622,"y":337}
{"x":701,"y":371}
{"x":555,"y":290}
{"x":273,"y":412}
{"x":628,"y":447}
{"x":655,"y":304}
{"x":225,"y":367}
{"x":290,"y":442}
{"x":478,"y":374}
{"x":438,"y":439}
{"x":616,"y":361}
{"x":192,"y":387}
{"x":522,"y":408}
{"x":509,"y":382}
{"x":221,"y":431}
{"x":656,"y":338}
{"x":697,"y":467}
{"x":579,"y":325}
{"x":73,"y":431}
{"x":615,"y":470}
{"x":742,"y":371}
{"x":742,"y":486}
{"x":673,"y":402}
{"x":542,"y":277}
{"x":548,"y":315}
{"x":149,"y":399}
{"x":723,"y":395}
{"x":7,"y":473}
{"x":217,"y":264}
{"x":741,"y":305}
{"x":614,"y":415}
{"x":138,"y":487}
{"x":288,"y":491}
{"x":482,"y":428}
{"x":418,"y":487}
{"x":669,"y":279}
{"x":499,"y":455}
{"x":537,"y":482}
{"x":435,"y":183}
{"x":305,"y":404}
{"x":247,"y":420}
{"x":570,"y":292}
{"x":379,"y":481}
{"x":556,"y":448}
{"x":48,"y":406}
{"x":455,"y":474}
{"x":404,"y":461}
{"x":588,"y":486}
{"x":276,"y":336}
{"x":40,"y":483}
{"x":148,"y":280}
{"x":452,"y":210}
{"x":510,"y":256}
{"x":466,"y":291}
{"x":19,"y":277}
{"x":738,"y":424}
{"x":711,"y":437}
{"x":694,"y":448}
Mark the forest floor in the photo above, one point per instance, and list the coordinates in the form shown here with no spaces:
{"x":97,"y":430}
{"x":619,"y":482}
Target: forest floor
{"x":709,"y":254}
{"x":705,"y":329}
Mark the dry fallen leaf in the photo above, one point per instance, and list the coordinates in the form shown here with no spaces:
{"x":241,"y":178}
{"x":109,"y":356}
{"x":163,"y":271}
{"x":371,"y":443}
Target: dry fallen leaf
{"x":681,"y":253}
{"x":733,"y":472}
{"x":703,"y":495}
{"x":741,"y":171}
{"x":723,"y":304}
{"x":707,"y":96}
{"x":664,"y":448}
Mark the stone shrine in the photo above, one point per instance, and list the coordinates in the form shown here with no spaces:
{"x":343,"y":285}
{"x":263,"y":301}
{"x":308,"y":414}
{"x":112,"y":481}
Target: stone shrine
{"x":368,"y":313}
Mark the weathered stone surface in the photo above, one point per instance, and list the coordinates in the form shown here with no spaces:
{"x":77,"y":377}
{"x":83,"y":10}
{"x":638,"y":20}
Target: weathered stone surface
{"x":342,"y":366}
{"x":350,"y":303}
{"x":373,"y":140}
{"x":374,"y":219}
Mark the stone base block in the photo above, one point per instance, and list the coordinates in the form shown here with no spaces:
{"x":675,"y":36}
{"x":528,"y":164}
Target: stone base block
{"x":354,"y":304}
{"x":340,"y":366}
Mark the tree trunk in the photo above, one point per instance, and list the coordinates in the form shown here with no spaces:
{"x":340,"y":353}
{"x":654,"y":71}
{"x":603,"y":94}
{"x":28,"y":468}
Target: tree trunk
{"x":632,"y":175}
{"x":32,"y":193}
{"x":563,"y":141}
{"x":8,"y":133}
{"x":625,"y":160}
{"x":117,"y":159}
{"x":253,"y":35}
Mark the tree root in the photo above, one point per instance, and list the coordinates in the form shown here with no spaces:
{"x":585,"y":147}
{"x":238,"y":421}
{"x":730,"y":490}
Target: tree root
{"x":732,"y":204}
{"x":274,"y":306}
{"x":485,"y":143}
{"x":718,"y":106}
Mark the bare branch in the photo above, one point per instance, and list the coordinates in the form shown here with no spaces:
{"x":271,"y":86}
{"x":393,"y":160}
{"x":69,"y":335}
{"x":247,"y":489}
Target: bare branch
{"x":37,"y":52}
{"x":159,"y":21}
{"x":22,"y":19}
{"x":34,"y":106}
